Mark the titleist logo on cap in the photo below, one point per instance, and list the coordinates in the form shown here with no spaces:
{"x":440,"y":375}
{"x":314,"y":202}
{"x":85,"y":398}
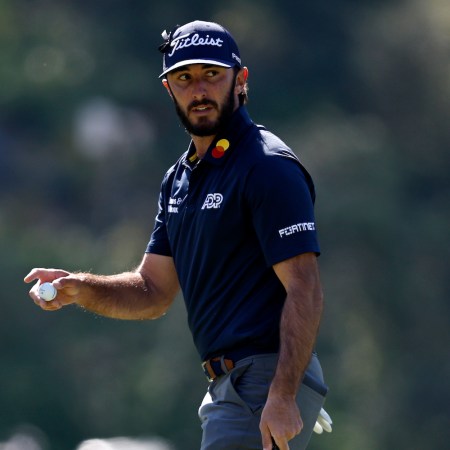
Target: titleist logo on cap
{"x":198,"y":42}
{"x":186,"y":41}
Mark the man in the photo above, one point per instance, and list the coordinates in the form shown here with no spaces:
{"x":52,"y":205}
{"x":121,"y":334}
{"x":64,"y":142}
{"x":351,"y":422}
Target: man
{"x":235,"y":229}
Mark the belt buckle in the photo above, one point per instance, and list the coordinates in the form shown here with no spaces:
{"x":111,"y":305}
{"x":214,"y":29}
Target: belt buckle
{"x":206,"y":371}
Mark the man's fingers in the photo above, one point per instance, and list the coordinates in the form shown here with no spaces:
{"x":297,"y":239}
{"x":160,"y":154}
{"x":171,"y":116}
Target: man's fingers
{"x":53,"y":305}
{"x":274,"y":445}
{"x":266,"y":439}
{"x":43,"y":275}
{"x":33,"y":275}
{"x":277,"y":445}
{"x":269,"y":442}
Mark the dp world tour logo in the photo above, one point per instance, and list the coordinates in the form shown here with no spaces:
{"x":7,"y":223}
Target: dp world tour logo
{"x":213,"y":201}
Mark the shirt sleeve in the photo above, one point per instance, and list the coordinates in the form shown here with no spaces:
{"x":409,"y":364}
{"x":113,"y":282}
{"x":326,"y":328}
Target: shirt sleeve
{"x":281,"y":203}
{"x":159,"y":240}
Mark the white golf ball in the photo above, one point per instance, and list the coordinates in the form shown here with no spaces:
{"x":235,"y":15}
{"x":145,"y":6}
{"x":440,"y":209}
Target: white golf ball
{"x":47,"y":292}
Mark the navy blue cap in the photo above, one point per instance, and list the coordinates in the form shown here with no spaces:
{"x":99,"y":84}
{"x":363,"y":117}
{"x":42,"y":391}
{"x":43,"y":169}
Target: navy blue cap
{"x":196,"y":43}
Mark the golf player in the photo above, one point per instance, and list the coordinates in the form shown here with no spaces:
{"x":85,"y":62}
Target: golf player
{"x":235,"y":230}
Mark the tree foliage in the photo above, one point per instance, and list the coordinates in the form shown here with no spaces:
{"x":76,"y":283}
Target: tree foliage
{"x":359,"y":90}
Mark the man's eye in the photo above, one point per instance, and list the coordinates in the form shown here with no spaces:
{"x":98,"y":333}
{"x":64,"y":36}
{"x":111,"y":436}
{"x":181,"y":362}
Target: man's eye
{"x":184,"y":77}
{"x":211,"y":73}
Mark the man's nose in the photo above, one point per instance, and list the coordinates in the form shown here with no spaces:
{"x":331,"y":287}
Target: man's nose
{"x":199,"y":89}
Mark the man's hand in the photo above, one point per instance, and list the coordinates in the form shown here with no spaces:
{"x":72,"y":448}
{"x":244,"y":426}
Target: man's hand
{"x":66,"y":284}
{"x":281,"y":421}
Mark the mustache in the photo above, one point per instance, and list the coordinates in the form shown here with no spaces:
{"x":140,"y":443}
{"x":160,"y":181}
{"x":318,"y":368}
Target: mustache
{"x":204,"y":102}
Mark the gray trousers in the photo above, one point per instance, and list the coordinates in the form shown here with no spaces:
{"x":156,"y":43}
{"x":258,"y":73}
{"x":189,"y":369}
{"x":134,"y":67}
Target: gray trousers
{"x":231,"y":410}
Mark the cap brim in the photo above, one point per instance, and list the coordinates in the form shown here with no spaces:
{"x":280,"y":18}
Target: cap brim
{"x":186,"y":62}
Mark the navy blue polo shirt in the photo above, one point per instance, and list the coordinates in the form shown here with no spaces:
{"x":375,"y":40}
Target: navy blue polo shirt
{"x":226,"y":220}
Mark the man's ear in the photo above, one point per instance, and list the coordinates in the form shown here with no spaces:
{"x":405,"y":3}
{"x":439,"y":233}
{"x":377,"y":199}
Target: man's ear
{"x":245,"y":73}
{"x":241,"y":79}
{"x":166,"y":85}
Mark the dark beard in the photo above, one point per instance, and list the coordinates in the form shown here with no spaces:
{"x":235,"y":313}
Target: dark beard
{"x":208,"y":128}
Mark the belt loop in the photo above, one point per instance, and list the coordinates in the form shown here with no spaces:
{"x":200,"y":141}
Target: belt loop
{"x":226,"y":364}
{"x":223,"y":365}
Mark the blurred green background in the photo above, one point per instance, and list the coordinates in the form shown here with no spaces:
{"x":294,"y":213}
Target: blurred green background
{"x":359,"y":89}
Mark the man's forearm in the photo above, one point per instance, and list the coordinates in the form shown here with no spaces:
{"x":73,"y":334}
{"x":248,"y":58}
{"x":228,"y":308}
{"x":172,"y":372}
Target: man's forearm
{"x":123,"y":296}
{"x":281,"y":418}
{"x":298,"y":332}
{"x":300,"y":320}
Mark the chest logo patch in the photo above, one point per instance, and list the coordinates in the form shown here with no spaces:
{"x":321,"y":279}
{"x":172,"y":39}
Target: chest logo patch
{"x":174,"y":203}
{"x":213,"y":201}
{"x":221,"y":147}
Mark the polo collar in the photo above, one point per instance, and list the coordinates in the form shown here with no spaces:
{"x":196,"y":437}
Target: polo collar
{"x":226,"y":139}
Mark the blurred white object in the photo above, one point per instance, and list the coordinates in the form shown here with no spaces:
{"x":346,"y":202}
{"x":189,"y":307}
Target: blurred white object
{"x":25,"y":437}
{"x":124,"y":443}
{"x":102,"y":127}
{"x":323,"y":422}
